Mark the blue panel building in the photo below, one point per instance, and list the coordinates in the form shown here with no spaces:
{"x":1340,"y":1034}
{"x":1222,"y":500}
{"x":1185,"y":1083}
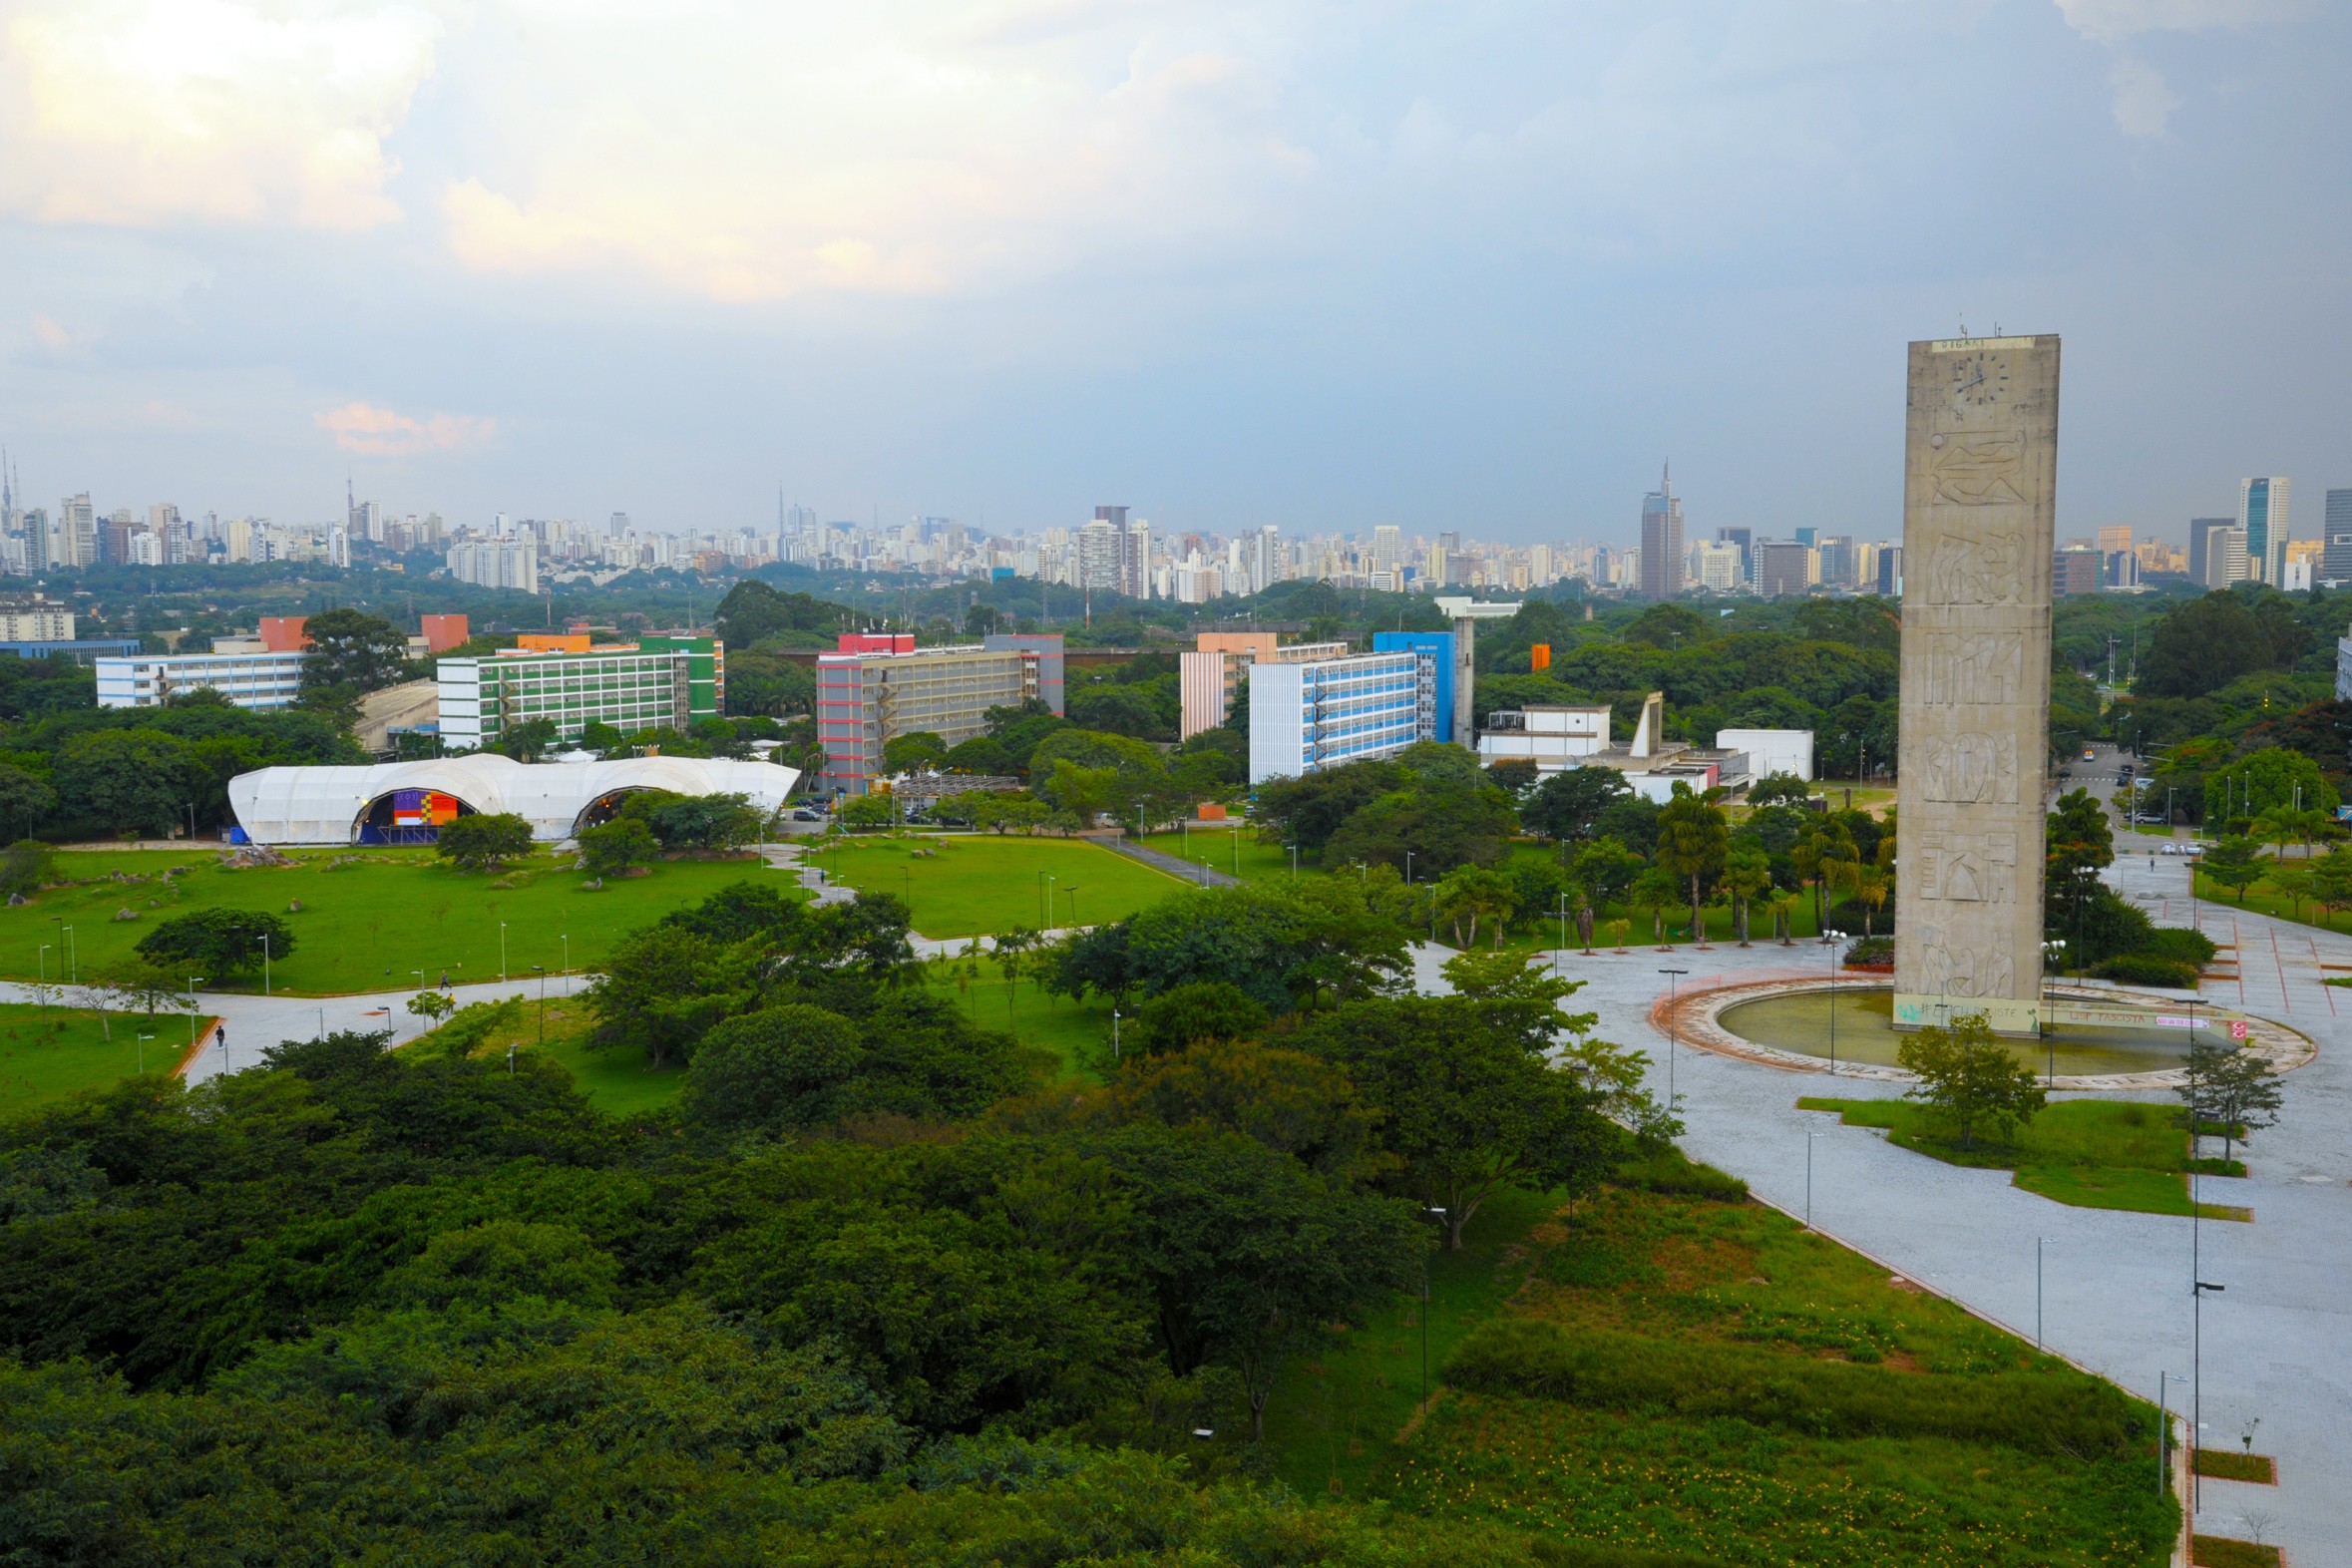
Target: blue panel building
{"x":1441,"y":644}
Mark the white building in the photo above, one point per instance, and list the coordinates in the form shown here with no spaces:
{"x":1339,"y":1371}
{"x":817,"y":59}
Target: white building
{"x":251,"y":681}
{"x":1323,"y":712}
{"x":1770,"y":750}
{"x":36,"y":620}
{"x":404,"y":802}
{"x":510,"y":561}
{"x":1555,"y":739}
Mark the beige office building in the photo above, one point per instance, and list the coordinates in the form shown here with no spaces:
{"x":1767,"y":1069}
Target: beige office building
{"x":1207,"y":676}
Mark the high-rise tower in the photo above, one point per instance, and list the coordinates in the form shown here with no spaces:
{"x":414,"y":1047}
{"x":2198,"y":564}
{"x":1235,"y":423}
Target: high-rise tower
{"x":2262,"y":513}
{"x":1662,"y":540}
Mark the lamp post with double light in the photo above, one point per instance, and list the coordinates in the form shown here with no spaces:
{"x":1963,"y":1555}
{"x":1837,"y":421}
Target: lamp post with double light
{"x":1833,"y":939}
{"x":1673,"y":1100}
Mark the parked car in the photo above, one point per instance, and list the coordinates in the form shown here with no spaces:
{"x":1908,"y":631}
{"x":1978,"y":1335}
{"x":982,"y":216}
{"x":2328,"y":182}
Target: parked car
{"x":2170,"y":849}
{"x":806,"y":814}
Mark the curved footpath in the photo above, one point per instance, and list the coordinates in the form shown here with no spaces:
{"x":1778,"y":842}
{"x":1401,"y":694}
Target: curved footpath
{"x":2116,"y":1285}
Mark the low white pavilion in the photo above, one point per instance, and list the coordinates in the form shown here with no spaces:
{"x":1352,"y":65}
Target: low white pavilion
{"x":331,"y":805}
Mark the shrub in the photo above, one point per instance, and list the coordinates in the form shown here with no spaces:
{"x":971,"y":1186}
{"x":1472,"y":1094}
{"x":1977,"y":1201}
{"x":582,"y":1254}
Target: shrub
{"x":2149,"y":968}
{"x":1669,"y":1170}
{"x":1869,"y":952}
{"x":2181,"y":944}
{"x":1598,"y":1369}
{"x":481,"y":840}
{"x":27,"y":866}
{"x":616,"y":845}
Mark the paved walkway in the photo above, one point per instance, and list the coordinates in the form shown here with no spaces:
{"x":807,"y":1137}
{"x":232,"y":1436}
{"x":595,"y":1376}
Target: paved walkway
{"x":2277,"y":1345}
{"x":1195,"y":871}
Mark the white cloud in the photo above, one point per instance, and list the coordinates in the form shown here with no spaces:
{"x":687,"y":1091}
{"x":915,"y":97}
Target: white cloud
{"x":2112,"y":21}
{"x":153,"y":111}
{"x":2143,"y":99}
{"x":380,"y":432}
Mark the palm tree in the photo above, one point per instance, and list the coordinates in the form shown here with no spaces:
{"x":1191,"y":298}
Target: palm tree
{"x":1748,"y":873}
{"x":1654,"y":890}
{"x":1872,"y":887}
{"x":1782,"y":904}
{"x":1693,"y":840}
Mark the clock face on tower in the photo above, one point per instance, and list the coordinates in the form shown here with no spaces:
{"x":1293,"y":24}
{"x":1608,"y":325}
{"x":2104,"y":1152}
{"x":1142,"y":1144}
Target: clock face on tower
{"x":1980,"y":381}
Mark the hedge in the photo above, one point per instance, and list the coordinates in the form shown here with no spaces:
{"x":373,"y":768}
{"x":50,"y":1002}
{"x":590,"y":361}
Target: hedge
{"x":2060,"y":1413}
{"x":2149,"y":968}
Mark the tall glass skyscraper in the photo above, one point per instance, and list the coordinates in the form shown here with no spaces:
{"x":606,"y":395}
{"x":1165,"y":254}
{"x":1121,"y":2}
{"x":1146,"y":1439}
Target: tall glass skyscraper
{"x":1661,"y":541}
{"x":2335,"y":560}
{"x":2262,"y":513}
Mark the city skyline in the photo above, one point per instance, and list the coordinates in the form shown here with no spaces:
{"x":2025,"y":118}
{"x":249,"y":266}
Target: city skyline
{"x":1239,"y":264}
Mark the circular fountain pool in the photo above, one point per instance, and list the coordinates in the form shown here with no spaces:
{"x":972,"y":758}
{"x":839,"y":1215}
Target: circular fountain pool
{"x":1800,"y":1023}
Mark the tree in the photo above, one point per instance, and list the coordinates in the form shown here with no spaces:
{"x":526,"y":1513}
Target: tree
{"x":1250,"y":1257}
{"x":1514,"y":776}
{"x":1654,"y":890}
{"x":1820,"y":856}
{"x":219,"y":944}
{"x":528,"y":740}
{"x":1968,"y":1080}
{"x":2205,"y":643}
{"x":24,"y":798}
{"x":1465,"y":1104}
{"x":138,"y":780}
{"x":350,"y":647}
{"x":613,"y":847}
{"x":1203,"y":1010}
{"x":2331,"y":881}
{"x":914,"y":752}
{"x":1748,"y":875}
{"x":1606,"y":867}
{"x":2261,"y":781}
{"x":1566,"y":805}
{"x":1308,"y":809}
{"x":2234,"y":863}
{"x":26,"y":867}
{"x":2229,"y":1087}
{"x":702,"y":822}
{"x":1475,"y":893}
{"x":1288,"y":1100}
{"x":1693,"y":841}
{"x":1779,"y":789}
{"x":483,"y":840}
{"x":431,"y":1007}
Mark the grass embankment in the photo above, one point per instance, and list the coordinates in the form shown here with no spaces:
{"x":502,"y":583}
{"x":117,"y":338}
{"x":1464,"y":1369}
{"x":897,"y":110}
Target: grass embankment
{"x":964,"y":886}
{"x":49,"y":1054}
{"x":1670,"y":1373}
{"x":616,"y":1082}
{"x":366,"y":924}
{"x":2093,"y":1154}
{"x":2262,"y":898}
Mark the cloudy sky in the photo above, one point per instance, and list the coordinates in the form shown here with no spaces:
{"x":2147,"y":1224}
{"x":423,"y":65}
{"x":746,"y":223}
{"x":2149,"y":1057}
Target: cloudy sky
{"x":1479,"y":264}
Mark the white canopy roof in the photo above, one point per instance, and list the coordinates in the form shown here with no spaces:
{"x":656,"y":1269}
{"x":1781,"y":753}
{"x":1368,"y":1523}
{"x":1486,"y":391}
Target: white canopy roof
{"x":325,"y":805}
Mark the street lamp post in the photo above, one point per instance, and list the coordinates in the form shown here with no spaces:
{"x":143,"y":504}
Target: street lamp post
{"x":543,"y":1003}
{"x":2051,"y":950}
{"x":2039,"y":1241}
{"x":142,"y":1039}
{"x":567,"y":941}
{"x":1808,"y":1176}
{"x":41,"y":963}
{"x":1114,"y":1034}
{"x":1441,"y":1213}
{"x":502,"y":953}
{"x":1833,"y":938}
{"x":265,"y":959}
{"x":1673,"y":1100}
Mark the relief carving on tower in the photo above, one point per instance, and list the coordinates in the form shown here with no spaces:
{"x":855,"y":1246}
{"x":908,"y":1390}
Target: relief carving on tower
{"x":1968,"y":868}
{"x":1973,"y":667}
{"x":1970,"y":768}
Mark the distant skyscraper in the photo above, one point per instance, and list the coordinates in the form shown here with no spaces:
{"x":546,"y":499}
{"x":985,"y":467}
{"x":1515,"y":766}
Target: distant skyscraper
{"x":1746,"y":539}
{"x":2204,"y":550}
{"x":1783,"y":568}
{"x":1807,"y":537}
{"x":1890,"y":571}
{"x":2262,"y":513}
{"x":77,"y":531}
{"x":1661,"y":541}
{"x":2335,"y":562}
{"x":1388,"y":546}
{"x":619,"y":525}
{"x":2114,"y":539}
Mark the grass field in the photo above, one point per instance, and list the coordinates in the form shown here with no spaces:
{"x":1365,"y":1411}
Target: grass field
{"x":2263,"y":899}
{"x":1236,"y":855}
{"x":2093,"y":1154}
{"x":978,"y":886}
{"x":1705,"y":1285}
{"x":362,"y":926}
{"x":49,"y":1054}
{"x":618,"y":1083}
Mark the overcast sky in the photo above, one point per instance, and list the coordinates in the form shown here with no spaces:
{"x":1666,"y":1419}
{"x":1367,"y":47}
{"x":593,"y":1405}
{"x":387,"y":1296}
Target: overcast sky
{"x":1477,"y":264}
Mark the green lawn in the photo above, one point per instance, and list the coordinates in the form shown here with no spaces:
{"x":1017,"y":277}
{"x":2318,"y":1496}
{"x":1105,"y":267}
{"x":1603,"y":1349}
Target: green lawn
{"x":48,"y":1054}
{"x":1237,"y":855}
{"x":2093,"y":1154}
{"x":1079,"y":1033}
{"x":1708,"y":1285}
{"x":2266,"y":899}
{"x":364,"y":926}
{"x":980,"y":885}
{"x":618,"y":1083}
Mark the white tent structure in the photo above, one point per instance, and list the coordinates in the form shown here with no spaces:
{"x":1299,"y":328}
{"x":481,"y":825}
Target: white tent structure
{"x":328,"y":805}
